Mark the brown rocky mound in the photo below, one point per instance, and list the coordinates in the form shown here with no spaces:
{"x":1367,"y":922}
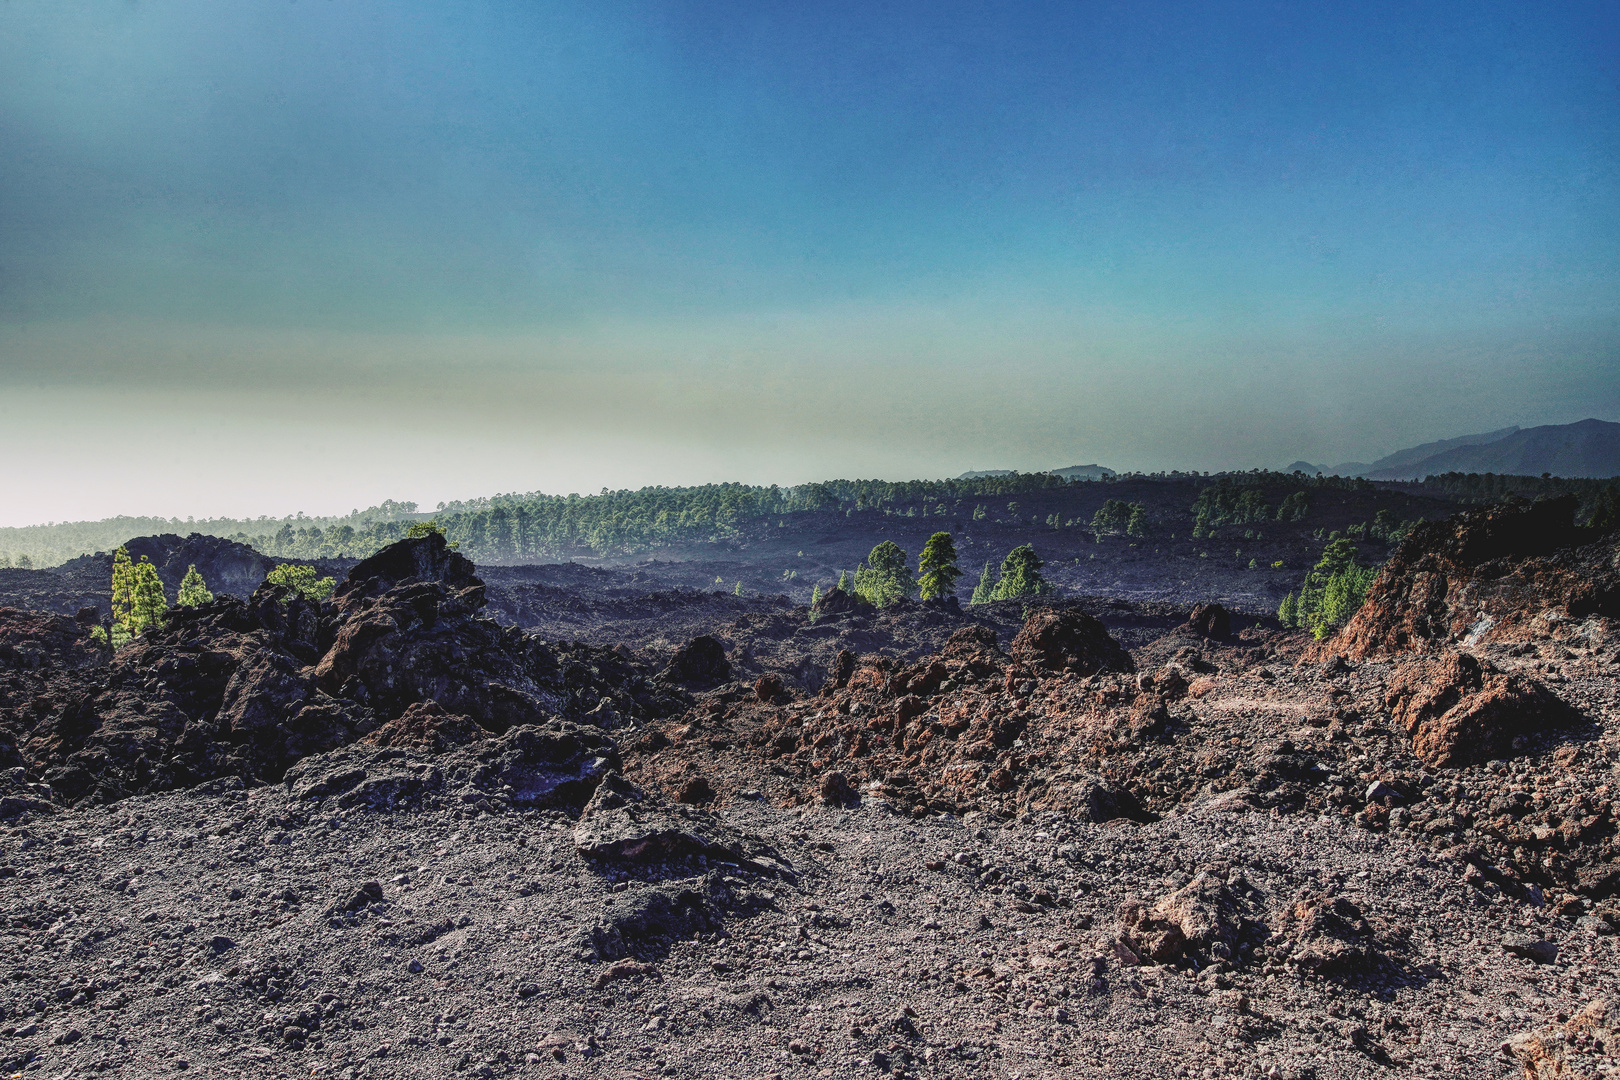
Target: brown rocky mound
{"x":1069,"y":640}
{"x":1210,"y":620}
{"x":427,"y":726}
{"x":1517,"y":571}
{"x":1460,"y":710}
{"x":967,"y":728}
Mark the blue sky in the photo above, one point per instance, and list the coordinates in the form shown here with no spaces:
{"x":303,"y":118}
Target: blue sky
{"x":433,"y":250}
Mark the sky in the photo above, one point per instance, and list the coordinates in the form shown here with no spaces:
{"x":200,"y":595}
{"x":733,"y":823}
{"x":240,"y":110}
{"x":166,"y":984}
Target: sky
{"x":268,"y":256}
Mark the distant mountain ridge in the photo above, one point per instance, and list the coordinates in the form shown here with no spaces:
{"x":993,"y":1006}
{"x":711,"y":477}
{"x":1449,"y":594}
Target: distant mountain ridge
{"x":1071,"y":472}
{"x":1587,"y":448}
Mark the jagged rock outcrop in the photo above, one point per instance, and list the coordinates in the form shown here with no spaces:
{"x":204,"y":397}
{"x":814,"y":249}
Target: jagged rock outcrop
{"x":247,"y":688}
{"x":623,"y":824}
{"x":1516,"y":571}
{"x":227,"y":566}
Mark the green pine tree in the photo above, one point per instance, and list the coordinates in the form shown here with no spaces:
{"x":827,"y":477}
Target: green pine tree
{"x":193,"y":590}
{"x":1137,"y":525}
{"x":123,"y":588}
{"x":884,"y":580}
{"x":737,"y":589}
{"x":1021,"y":575}
{"x":985,"y":590}
{"x":936,"y":569}
{"x":1288,"y":611}
{"x":150,"y":602}
{"x":843,"y":581}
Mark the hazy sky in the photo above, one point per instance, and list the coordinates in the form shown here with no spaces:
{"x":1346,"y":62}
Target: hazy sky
{"x":258,"y":257}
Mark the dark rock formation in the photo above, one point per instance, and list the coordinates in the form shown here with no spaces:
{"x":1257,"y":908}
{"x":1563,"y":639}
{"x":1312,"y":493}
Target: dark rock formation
{"x":248,"y":688}
{"x":836,"y":602}
{"x":226,"y":566}
{"x":623,"y":824}
{"x":554,"y":764}
{"x":1210,"y":620}
{"x":700,"y":664}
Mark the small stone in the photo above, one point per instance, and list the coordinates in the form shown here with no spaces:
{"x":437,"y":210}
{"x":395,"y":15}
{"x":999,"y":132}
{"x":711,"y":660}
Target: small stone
{"x":1539,"y":950}
{"x":1378,"y":790}
{"x":414,"y":967}
{"x":220,"y":943}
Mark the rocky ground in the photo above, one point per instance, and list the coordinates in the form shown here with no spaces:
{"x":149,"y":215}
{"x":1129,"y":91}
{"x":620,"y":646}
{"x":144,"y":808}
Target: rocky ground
{"x":389,"y":835}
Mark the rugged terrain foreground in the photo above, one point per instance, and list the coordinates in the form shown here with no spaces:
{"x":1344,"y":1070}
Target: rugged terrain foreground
{"x":386,"y":835}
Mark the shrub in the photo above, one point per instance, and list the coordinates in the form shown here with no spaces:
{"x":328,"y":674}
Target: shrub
{"x":303,"y":579}
{"x":1333,"y":589}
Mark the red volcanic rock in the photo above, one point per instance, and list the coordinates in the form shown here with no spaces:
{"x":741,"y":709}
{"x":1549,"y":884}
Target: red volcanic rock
{"x":1210,"y":620}
{"x":1460,"y":711}
{"x":1069,"y":640}
{"x":1517,"y":571}
{"x":427,"y":726}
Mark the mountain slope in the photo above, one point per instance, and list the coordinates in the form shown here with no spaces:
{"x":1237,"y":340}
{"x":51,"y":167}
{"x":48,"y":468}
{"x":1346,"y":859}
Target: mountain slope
{"x":1402,"y":459}
{"x":1587,"y":448}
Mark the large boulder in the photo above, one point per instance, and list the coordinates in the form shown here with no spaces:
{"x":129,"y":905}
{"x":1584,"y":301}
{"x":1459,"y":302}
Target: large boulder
{"x":623,"y":824}
{"x":1066,"y":640}
{"x":1210,"y":620}
{"x":1460,"y":710}
{"x":700,"y":664}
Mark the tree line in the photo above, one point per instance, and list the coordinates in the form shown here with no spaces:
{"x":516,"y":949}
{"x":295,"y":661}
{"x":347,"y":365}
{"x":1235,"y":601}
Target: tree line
{"x":885,"y":578}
